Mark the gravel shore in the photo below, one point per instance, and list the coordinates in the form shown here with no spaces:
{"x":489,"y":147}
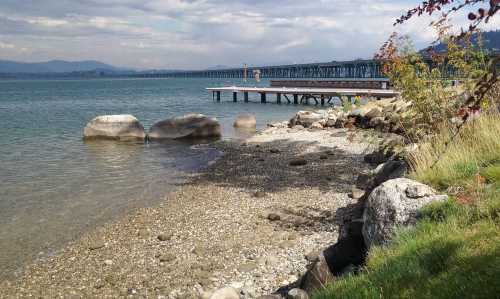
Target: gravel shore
{"x":251,"y":220}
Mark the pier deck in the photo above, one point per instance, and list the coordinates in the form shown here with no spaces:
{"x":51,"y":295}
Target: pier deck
{"x":302,"y":95}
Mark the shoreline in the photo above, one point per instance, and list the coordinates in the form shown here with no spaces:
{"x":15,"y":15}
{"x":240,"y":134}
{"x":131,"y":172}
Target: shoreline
{"x":167,"y":250}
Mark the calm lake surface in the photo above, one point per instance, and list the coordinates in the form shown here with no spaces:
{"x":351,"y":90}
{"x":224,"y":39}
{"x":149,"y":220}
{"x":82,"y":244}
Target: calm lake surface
{"x":54,"y":187}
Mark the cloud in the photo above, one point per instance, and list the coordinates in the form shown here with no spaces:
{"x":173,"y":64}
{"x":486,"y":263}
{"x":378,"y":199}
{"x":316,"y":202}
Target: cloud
{"x":195,"y":34}
{"x":4,"y":45}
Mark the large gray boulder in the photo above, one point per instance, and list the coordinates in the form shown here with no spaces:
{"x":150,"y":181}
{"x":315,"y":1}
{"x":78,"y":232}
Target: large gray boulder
{"x":394,"y":203}
{"x":187,"y":126}
{"x":114,"y":127}
{"x":245,"y":121}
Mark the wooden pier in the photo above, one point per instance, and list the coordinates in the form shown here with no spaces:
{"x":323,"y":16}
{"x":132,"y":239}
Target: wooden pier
{"x":301,"y":95}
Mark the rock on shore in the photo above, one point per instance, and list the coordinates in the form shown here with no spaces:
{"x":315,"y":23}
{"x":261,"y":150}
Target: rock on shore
{"x":114,"y":127}
{"x":383,"y":115}
{"x":245,"y":121}
{"x":187,"y":126}
{"x":392,"y":204}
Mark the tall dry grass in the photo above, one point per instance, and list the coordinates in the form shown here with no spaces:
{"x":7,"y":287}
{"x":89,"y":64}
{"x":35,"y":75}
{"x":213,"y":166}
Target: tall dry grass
{"x":477,"y":146}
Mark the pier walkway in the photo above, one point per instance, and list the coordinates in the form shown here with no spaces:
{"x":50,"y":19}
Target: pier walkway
{"x":301,"y":95}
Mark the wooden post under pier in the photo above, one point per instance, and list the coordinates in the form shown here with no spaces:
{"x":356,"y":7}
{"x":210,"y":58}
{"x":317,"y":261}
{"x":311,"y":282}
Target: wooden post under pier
{"x":321,"y":96}
{"x":263,"y":99}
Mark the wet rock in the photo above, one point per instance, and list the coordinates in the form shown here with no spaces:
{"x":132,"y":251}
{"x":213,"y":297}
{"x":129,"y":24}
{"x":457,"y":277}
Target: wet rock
{"x":164,"y":237}
{"x":389,"y":206}
{"x":299,"y":221}
{"x":376,"y":157}
{"x":297,"y":294}
{"x":273,"y":217}
{"x":166,"y":257}
{"x":259,"y":194}
{"x":363,"y":180}
{"x":245,"y":121}
{"x":323,"y":157}
{"x":187,"y":126}
{"x":330,"y":153}
{"x":95,"y":245}
{"x":121,"y":127}
{"x":298,"y":162}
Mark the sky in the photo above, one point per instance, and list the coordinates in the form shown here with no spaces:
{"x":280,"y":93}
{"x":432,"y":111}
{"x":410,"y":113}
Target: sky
{"x":197,"y":34}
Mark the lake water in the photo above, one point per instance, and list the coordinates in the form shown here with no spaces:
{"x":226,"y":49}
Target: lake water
{"x":54,"y":186}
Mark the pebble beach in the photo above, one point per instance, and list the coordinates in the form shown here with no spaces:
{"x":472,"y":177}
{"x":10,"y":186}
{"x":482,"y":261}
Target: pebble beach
{"x":253,"y":220}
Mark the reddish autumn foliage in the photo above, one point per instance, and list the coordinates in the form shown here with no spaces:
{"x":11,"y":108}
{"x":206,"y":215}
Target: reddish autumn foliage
{"x":487,"y":9}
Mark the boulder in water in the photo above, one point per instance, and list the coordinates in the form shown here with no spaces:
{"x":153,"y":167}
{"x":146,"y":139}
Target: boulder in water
{"x":187,"y":126}
{"x":114,"y":127}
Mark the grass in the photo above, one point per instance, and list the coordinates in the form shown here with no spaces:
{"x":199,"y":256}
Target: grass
{"x":454,"y":251}
{"x":476,"y":147}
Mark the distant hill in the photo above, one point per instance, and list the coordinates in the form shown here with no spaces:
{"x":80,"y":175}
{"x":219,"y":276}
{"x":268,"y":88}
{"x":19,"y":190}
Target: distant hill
{"x":55,"y":66}
{"x":491,"y":42}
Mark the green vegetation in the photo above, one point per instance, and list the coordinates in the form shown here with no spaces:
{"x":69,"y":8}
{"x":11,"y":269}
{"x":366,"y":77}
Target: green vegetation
{"x":475,"y":150}
{"x":434,"y":101}
{"x":454,"y":251}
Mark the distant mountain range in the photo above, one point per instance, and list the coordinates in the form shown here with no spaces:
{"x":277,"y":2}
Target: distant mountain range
{"x":91,"y":68}
{"x":490,"y":40}
{"x":56,"y":66}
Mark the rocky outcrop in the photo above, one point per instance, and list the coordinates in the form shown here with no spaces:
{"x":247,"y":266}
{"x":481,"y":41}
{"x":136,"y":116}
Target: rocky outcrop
{"x":384,"y":115}
{"x":120,"y":127}
{"x":245,"y":121}
{"x":317,"y":276}
{"x":348,"y":253}
{"x":308,"y":118}
{"x":187,"y":126}
{"x":394,"y":203}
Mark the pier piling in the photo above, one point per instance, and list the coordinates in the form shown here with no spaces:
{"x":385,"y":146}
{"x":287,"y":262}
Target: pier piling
{"x":263,"y":97}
